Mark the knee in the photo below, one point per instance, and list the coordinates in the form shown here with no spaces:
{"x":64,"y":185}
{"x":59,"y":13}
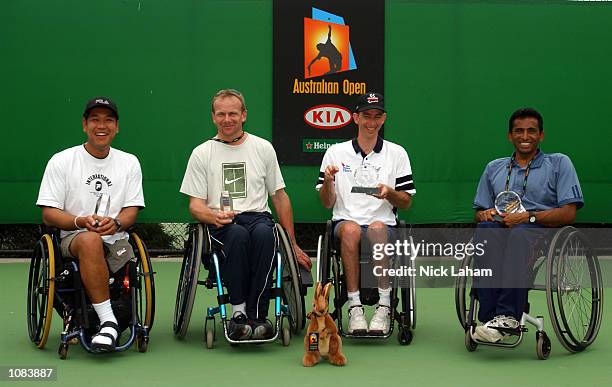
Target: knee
{"x":87,"y":240}
{"x":350,"y":234}
{"x":262,"y":234}
{"x":236,"y":234}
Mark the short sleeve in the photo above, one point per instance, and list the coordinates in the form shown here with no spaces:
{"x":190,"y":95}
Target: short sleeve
{"x":274,"y":177}
{"x":195,"y":179}
{"x":485,"y":197}
{"x":568,"y":186}
{"x":52,"y":191}
{"x":403,"y":173}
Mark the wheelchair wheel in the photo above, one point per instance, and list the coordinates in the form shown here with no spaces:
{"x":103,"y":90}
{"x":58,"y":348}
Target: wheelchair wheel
{"x":462,"y":294}
{"x":188,"y":280}
{"x":291,"y":283}
{"x":409,"y":295}
{"x":574,"y":290}
{"x":146,"y":283}
{"x":470,"y":344}
{"x":41,"y":291}
{"x":542,"y":345}
{"x":323,"y":265}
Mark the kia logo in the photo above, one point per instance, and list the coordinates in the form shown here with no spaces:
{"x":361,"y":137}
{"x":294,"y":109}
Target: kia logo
{"x":327,"y":117}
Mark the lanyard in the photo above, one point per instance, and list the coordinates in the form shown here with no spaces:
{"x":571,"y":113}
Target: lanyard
{"x":526,"y":172}
{"x":229,"y":142}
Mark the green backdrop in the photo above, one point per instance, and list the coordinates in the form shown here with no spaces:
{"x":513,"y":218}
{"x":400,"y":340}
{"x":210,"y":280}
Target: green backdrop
{"x":454,"y":71}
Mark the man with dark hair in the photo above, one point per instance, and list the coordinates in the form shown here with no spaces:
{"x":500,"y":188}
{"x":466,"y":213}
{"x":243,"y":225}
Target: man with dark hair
{"x":550,"y":194}
{"x":356,"y":213}
{"x":245,"y":166}
{"x":93,"y":193}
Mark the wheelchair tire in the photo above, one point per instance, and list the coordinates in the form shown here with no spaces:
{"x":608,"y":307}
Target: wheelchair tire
{"x":188,"y":280}
{"x":146,"y":283}
{"x":409,"y":295}
{"x":574,"y":289}
{"x":324,"y":264}
{"x":462,"y":295}
{"x":470,"y":344}
{"x":291,"y":283}
{"x":41,"y":290}
{"x":543,"y":346}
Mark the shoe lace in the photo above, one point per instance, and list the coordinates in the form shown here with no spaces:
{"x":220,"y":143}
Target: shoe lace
{"x":356,"y":311}
{"x":381,"y":314}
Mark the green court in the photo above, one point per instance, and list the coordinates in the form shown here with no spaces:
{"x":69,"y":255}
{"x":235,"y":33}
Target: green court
{"x":436,"y":357}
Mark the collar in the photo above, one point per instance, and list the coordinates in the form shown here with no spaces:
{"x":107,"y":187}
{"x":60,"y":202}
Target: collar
{"x":377,"y":148}
{"x":536,"y":163}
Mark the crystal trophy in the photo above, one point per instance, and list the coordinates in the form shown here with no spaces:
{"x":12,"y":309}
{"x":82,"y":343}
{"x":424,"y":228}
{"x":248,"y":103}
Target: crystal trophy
{"x":366,"y":180}
{"x":509,"y":202}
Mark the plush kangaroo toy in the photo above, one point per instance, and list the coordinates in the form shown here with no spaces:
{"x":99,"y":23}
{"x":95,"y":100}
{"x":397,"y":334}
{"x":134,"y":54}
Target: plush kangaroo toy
{"x":322,"y":338}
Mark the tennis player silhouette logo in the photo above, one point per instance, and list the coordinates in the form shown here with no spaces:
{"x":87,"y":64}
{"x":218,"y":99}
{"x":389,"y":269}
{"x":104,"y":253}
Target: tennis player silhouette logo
{"x":329,"y":51}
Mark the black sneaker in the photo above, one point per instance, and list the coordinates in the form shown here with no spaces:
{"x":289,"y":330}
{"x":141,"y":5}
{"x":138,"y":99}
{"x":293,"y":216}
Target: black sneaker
{"x":238,"y":327}
{"x":262,"y":329}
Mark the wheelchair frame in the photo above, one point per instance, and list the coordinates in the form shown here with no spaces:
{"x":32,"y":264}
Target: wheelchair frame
{"x":286,"y":286}
{"x":406,"y":319}
{"x":46,"y":290}
{"x":567,"y":242}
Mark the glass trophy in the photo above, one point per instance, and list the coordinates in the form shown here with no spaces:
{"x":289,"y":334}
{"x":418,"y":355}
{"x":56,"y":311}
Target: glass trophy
{"x":102,"y":206}
{"x":509,"y":202}
{"x":366,"y":180}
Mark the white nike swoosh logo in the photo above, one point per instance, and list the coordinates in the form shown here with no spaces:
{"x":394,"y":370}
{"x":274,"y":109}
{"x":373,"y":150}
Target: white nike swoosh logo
{"x":120,"y":252}
{"x":231,"y":181}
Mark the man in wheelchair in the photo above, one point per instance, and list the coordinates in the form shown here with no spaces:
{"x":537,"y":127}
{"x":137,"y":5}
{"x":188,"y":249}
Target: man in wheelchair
{"x":549,"y":193}
{"x":243,"y":169}
{"x":92,"y":193}
{"x":344,"y":166}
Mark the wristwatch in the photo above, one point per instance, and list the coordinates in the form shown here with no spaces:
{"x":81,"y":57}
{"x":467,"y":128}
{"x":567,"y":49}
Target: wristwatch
{"x":119,"y":225}
{"x":532,"y":217}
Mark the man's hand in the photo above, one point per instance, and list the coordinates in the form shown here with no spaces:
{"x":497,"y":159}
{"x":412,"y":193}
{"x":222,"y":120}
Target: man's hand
{"x":105,"y":225}
{"x":330,"y":171}
{"x":486,"y":215}
{"x":302,"y":258}
{"x":383,"y":193}
{"x":89,"y":222}
{"x":511,"y":220}
{"x":224,"y":217}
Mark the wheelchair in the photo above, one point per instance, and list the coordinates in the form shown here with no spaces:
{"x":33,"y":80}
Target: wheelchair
{"x":288,"y":289}
{"x":54,"y":283}
{"x":328,"y":257}
{"x":574,"y":295}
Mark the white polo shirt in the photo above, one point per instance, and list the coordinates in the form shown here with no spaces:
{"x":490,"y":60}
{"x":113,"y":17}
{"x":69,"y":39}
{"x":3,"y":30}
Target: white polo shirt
{"x":392,"y":165}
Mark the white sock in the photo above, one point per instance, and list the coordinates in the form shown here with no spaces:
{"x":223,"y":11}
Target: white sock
{"x":240,"y":308}
{"x":353,"y":299}
{"x":384,"y":296}
{"x":105,"y":313}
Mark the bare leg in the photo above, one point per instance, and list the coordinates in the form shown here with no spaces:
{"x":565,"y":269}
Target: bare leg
{"x":88,"y":248}
{"x":350,"y":237}
{"x":377,"y":233}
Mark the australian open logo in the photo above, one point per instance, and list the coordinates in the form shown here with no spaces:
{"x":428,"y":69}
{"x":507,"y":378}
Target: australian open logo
{"x":327,"y":48}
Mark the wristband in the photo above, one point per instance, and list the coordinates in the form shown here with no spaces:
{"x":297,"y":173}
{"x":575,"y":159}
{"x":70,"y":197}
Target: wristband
{"x":75,"y":222}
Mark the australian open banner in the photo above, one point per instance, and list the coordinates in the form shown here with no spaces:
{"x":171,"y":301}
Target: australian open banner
{"x":326,"y":53}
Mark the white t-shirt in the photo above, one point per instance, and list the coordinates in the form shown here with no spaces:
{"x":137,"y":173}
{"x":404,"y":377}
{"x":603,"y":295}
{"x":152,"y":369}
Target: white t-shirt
{"x":392,"y":168}
{"x":74,"y":180}
{"x":249,"y":171}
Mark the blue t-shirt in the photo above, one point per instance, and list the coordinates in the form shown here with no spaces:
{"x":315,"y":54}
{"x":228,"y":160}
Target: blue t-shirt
{"x":552,"y":183}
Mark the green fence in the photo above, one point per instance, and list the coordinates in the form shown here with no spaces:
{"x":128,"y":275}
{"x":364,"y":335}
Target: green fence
{"x":454,"y":71}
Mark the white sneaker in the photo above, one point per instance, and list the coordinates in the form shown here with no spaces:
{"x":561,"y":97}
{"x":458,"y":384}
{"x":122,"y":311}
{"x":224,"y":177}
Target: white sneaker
{"x":381,"y":320}
{"x":357,"y":321}
{"x":487,"y":332}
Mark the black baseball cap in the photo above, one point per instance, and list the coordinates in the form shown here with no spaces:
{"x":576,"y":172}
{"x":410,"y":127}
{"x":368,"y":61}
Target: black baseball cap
{"x":101,"y":102}
{"x":370,"y":101}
